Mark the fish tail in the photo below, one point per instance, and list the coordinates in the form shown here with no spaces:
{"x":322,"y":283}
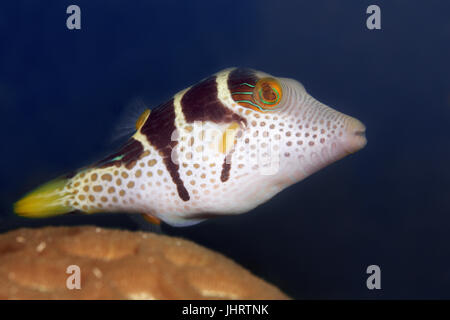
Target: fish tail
{"x":49,"y":199}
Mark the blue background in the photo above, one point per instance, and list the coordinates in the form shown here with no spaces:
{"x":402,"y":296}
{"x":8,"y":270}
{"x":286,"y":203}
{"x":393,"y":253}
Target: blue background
{"x":63,"y":93}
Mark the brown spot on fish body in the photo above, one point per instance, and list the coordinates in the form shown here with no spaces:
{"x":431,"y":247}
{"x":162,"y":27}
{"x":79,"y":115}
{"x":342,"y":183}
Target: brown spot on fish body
{"x":131,"y":165}
{"x":107,"y":177}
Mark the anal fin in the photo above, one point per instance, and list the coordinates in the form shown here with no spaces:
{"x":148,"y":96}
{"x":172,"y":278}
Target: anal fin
{"x":151,"y":219}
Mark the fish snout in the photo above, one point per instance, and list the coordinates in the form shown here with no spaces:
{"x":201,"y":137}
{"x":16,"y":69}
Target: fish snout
{"x":355,"y":135}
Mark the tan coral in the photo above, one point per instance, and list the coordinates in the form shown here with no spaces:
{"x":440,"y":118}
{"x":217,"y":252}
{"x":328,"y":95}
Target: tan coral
{"x":119,"y":264}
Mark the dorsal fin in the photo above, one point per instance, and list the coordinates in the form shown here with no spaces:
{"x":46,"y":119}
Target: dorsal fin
{"x":142,"y":118}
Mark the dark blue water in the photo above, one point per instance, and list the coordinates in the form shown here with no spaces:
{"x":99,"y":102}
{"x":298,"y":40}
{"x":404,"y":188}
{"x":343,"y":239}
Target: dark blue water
{"x":63,"y":92}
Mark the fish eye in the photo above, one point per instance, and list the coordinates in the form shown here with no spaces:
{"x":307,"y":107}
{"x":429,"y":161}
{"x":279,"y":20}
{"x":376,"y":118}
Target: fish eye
{"x":267,"y":93}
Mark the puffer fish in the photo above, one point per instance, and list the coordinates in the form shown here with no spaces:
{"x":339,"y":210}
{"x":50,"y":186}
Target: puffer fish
{"x":220,"y":147}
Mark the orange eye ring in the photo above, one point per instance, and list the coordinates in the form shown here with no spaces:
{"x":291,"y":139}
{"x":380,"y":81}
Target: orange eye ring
{"x":267,"y":93}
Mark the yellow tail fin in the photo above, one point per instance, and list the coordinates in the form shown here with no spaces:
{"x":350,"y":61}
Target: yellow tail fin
{"x":45,"y":201}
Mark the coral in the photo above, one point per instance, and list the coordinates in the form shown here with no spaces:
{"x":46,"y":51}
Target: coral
{"x":117,"y":264}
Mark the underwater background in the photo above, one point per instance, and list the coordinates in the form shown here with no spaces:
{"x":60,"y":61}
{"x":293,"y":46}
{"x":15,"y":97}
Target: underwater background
{"x":63,"y":93}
